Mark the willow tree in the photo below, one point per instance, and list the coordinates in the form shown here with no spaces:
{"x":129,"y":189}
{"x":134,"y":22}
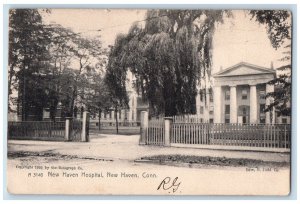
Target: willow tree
{"x":168,"y":55}
{"x":115,"y":77}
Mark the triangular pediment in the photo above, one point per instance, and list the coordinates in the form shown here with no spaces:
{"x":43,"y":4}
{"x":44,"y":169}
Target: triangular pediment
{"x":244,"y":68}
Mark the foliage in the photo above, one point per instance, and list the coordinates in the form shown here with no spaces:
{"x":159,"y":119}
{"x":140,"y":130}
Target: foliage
{"x":43,"y":63}
{"x":278,"y":24}
{"x":115,"y":77}
{"x":167,"y":57}
{"x":28,"y":43}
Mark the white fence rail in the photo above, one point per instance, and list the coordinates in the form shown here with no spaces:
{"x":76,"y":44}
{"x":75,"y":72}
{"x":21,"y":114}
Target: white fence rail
{"x":189,"y":131}
{"x":155,"y":132}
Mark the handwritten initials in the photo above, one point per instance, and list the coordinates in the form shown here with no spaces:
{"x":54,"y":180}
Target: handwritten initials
{"x":167,"y":184}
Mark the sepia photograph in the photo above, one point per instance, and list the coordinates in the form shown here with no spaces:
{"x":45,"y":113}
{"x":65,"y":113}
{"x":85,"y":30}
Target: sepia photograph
{"x":149,"y":101}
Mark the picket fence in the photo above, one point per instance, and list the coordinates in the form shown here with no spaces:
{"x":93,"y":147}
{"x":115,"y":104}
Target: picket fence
{"x":36,"y":130}
{"x":155,"y":132}
{"x":189,"y":130}
{"x":69,"y":130}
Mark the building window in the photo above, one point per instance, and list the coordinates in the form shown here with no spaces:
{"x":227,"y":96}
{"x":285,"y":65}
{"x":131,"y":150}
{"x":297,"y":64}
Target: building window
{"x":284,"y":121}
{"x":262,"y":120}
{"x":201,"y":120}
{"x":262,"y":95}
{"x":211,"y":98}
{"x":244,"y":111}
{"x":201,"y":95}
{"x":201,"y":109}
{"x":227,"y":109}
{"x":227,"y":120}
{"x":211,"y":120}
{"x":244,"y":94}
{"x":227,"y":95}
{"x":211,"y":112}
{"x":125,"y":113}
{"x":211,"y":95}
{"x":262,"y":108}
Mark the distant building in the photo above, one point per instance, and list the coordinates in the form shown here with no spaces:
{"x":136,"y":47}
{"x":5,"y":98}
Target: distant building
{"x":238,"y":95}
{"x":233,"y":95}
{"x":136,"y":104}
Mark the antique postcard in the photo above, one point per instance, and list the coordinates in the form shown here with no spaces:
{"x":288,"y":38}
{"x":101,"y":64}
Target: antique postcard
{"x":149,"y":102}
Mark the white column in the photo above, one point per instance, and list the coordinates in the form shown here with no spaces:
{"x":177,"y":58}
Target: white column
{"x":233,"y":105}
{"x":112,"y":115}
{"x":253,"y":104}
{"x":269,"y":89}
{"x":130,"y":108}
{"x":134,"y":108}
{"x":122,"y":115}
{"x":273,"y":109}
{"x":118,"y":115}
{"x":207,"y":106}
{"x":217,"y":104}
{"x":273,"y":116}
{"x":198,"y":103}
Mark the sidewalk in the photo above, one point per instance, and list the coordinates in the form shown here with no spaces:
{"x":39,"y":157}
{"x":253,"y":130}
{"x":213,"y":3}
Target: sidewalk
{"x":121,"y":147}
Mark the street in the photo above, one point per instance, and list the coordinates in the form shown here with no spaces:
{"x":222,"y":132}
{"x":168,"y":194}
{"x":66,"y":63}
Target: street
{"x":111,"y":157}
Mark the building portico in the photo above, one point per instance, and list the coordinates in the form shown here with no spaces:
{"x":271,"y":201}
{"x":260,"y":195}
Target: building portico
{"x":239,"y":94}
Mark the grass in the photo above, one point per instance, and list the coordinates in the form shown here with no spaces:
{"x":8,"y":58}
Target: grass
{"x":51,"y":155}
{"x":113,"y":131}
{"x":218,"y":161}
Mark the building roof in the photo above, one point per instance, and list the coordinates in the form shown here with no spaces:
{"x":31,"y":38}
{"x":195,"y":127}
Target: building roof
{"x":244,"y":68}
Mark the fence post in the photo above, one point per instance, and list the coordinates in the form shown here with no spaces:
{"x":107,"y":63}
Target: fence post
{"x":168,"y":125}
{"x":85,"y":127}
{"x":67,"y":130}
{"x":144,"y":127}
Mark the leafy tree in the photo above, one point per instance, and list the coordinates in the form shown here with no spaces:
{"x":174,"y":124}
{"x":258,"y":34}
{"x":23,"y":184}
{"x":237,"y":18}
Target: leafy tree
{"x":100,"y":101}
{"x":86,"y":52}
{"x":28,"y":42}
{"x":115,"y":77}
{"x":278,"y":26}
{"x":43,"y":61}
{"x":61,"y":49}
{"x":167,"y":57}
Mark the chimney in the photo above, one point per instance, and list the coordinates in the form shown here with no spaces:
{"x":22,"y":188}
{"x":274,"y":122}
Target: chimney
{"x":272,"y":66}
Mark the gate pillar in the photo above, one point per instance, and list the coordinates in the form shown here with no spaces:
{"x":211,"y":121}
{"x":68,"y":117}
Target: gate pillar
{"x":85,"y":127}
{"x":168,"y":125}
{"x":144,"y":127}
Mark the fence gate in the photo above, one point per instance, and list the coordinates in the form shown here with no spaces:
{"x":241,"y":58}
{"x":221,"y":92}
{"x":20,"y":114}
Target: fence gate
{"x":75,"y":130}
{"x":155,"y":133}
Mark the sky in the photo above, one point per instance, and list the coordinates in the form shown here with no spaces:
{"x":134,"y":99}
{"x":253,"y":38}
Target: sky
{"x":238,"y":39}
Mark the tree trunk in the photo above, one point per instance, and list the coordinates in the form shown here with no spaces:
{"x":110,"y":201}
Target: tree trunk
{"x":11,"y":71}
{"x":99,"y":120}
